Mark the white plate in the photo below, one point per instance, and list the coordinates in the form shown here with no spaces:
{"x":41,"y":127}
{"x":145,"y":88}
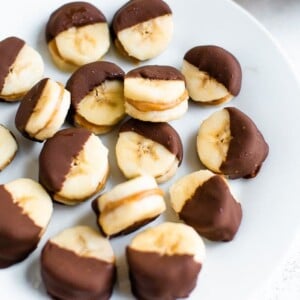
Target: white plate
{"x":270,"y":95}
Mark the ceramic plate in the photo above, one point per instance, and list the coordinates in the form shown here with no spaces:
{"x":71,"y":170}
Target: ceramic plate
{"x":270,"y":96}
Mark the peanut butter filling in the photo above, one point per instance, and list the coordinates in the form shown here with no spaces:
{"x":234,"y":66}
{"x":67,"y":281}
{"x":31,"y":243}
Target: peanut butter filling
{"x":147,"y":106}
{"x":109,"y":207}
{"x":97,"y":129}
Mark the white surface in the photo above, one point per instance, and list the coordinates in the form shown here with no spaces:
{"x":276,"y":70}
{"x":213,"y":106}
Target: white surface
{"x":284,"y":283}
{"x":281,"y":18}
{"x":270,"y":92}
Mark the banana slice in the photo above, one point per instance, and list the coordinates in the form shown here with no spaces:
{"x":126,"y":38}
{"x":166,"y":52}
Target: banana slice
{"x":73,"y":261}
{"x":77,"y":33}
{"x":21,"y":68}
{"x":229,"y":142}
{"x":203,"y":200}
{"x":43,"y":110}
{"x":155,"y":93}
{"x":143,"y":29}
{"x":147,"y":39}
{"x":213,"y":75}
{"x":97,"y":95}
{"x":213,"y":140}
{"x":25,"y":211}
{"x":8,"y":147}
{"x":73,"y":165}
{"x":148,"y":148}
{"x":129,"y":205}
{"x":157,"y":257}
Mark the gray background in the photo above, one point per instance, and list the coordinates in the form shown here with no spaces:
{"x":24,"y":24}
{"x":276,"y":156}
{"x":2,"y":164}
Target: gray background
{"x":282,"y":19}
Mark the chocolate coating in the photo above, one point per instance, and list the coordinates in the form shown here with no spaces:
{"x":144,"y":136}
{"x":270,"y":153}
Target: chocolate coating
{"x":212,"y":211}
{"x":66,"y":275}
{"x":19,"y":235}
{"x":219,"y":64}
{"x":27,"y":106}
{"x":247,"y":148}
{"x":89,"y":76}
{"x":161,"y":133}
{"x":156,"y":72}
{"x":73,"y":14}
{"x":57,"y":155}
{"x":138,"y":11}
{"x":96,"y":210}
{"x":9,"y":50}
{"x":154,"y":276}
